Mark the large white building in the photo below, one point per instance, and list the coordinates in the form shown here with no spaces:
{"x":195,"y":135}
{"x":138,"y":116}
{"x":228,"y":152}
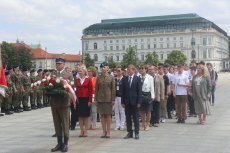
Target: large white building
{"x":162,"y":34}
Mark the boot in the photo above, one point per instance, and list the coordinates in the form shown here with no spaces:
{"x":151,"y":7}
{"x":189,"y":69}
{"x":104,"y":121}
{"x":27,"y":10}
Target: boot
{"x":8,"y":112}
{"x":58,"y":146}
{"x":65,"y":145}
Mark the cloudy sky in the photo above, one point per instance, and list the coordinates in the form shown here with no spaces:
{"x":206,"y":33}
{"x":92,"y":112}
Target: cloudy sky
{"x":58,"y":24}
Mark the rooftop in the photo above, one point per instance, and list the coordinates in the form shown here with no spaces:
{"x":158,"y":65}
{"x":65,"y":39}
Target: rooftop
{"x":167,"y":23}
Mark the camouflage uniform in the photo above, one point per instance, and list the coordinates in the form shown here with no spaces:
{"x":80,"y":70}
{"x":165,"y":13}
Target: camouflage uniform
{"x":16,"y":79}
{"x":39,"y":93}
{"x":27,"y":88}
{"x":8,"y":98}
{"x":32,"y":93}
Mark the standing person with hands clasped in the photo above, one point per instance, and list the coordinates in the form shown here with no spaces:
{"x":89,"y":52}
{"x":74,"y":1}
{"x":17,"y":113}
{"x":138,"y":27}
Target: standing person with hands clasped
{"x":131,"y":100}
{"x":84,"y":93}
{"x":105,"y":98}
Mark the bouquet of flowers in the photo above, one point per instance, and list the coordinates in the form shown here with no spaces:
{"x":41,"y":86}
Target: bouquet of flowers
{"x":53,"y":85}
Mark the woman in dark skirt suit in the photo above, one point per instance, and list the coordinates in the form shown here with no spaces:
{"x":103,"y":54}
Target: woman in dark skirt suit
{"x":105,"y":98}
{"x":84,"y":93}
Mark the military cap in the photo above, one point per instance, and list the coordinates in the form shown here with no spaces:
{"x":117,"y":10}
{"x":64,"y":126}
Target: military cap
{"x":32,"y":71}
{"x":60,"y":60}
{"x":39,"y":70}
{"x":103,"y":64}
{"x":45,"y":70}
{"x":24,"y":69}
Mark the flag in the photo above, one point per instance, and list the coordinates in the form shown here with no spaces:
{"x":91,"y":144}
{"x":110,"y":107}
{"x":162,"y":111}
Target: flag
{"x":3,"y":82}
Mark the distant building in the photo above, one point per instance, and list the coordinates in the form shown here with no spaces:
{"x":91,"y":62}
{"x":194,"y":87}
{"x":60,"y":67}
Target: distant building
{"x":162,"y":34}
{"x":44,"y":60}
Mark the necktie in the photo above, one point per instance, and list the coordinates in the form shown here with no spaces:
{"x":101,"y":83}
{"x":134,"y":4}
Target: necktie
{"x":130,"y":81}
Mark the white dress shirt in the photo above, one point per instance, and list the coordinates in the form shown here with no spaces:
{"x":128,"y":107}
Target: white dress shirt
{"x":183,"y":80}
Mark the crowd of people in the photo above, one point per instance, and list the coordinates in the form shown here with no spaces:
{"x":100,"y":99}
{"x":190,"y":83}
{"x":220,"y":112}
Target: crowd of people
{"x":143,"y":96}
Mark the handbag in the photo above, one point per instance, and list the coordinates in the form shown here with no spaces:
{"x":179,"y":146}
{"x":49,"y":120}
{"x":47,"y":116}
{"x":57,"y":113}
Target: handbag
{"x":146,"y":98}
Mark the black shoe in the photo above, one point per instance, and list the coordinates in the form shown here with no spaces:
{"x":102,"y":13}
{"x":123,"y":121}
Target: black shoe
{"x":26,"y":109}
{"x":8,"y":112}
{"x":1,"y":114}
{"x":65,"y":145}
{"x":179,"y":121}
{"x":182,"y":120}
{"x":72,"y":128}
{"x":54,"y":135}
{"x":137,"y":136}
{"x":58,"y":147}
{"x":33,"y":107}
{"x":128,"y":136}
{"x":16,"y":110}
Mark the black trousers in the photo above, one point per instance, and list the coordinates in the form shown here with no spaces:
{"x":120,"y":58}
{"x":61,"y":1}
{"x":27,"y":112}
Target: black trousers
{"x":171,"y":104}
{"x":74,"y":116}
{"x":155,"y":114}
{"x":191,"y":105}
{"x":131,"y":112}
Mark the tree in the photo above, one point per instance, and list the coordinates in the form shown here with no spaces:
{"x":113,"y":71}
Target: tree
{"x":88,"y":60}
{"x":111,"y":63}
{"x":176,"y":57}
{"x":152,"y":59}
{"x":129,"y":57}
{"x":13,"y":56}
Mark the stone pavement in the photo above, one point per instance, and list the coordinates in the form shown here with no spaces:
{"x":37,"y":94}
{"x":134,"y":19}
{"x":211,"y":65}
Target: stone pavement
{"x":30,"y":132}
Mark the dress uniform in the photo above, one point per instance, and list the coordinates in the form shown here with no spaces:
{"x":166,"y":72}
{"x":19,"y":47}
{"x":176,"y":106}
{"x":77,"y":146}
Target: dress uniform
{"x":27,"y":87}
{"x":60,"y":106}
{"x":9,"y":92}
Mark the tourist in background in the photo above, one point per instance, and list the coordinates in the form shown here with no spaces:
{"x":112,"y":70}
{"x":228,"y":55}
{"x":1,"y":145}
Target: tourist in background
{"x":214,"y":77}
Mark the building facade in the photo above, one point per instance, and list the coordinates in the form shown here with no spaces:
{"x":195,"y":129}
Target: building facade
{"x":162,"y":34}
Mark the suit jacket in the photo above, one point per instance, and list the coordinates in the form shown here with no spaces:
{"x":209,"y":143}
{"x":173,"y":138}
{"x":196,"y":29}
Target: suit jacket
{"x":105,"y":89}
{"x":131,"y":94}
{"x":85,"y":89}
{"x":159,"y":87}
{"x":61,"y":100}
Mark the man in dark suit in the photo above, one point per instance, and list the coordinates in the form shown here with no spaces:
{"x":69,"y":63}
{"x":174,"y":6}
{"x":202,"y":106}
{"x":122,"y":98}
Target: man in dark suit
{"x":60,"y":106}
{"x":131,"y":99}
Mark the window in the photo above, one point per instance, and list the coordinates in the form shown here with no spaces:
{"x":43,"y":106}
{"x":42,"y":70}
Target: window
{"x":181,"y":38}
{"x":135,"y":46}
{"x":155,"y":39}
{"x":111,"y":47}
{"x":117,"y":47}
{"x":209,"y":53}
{"x":95,"y":46}
{"x":161,"y":39}
{"x":106,"y":58}
{"x":111,"y":41}
{"x":86,"y":46}
{"x":148,"y":46}
{"x":105,"y":47}
{"x":193,"y":42}
{"x":95,"y":57}
{"x":148,"y":39}
{"x":135,"y":40}
{"x":162,"y":56}
{"x":168,"y":39}
{"x":167,"y":45}
{"x":129,"y":40}
{"x":209,"y":41}
{"x":142,"y":40}
{"x":174,"y":38}
{"x":142,"y":46}
{"x":104,"y":41}
{"x":174,"y":45}
{"x":181,"y":45}
{"x":123,"y":41}
{"x":204,"y":54}
{"x":123,"y":47}
{"x":117,"y":41}
{"x":117,"y":58}
{"x":154,"y":45}
{"x":142,"y":57}
{"x":161,"y":45}
{"x":204,"y":41}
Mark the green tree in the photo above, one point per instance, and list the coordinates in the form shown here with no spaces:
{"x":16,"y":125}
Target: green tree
{"x":129,"y":57}
{"x":13,"y":56}
{"x":152,"y":59}
{"x":111,"y":63}
{"x":176,"y":57}
{"x":88,"y":60}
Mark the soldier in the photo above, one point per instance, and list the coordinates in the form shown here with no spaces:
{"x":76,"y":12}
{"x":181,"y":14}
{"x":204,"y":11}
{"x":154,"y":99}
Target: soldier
{"x":27,"y":87}
{"x":17,"y":86}
{"x":60,"y":106}
{"x":32,"y":91}
{"x":9,"y":93}
{"x":46,"y":73}
{"x":39,"y":92}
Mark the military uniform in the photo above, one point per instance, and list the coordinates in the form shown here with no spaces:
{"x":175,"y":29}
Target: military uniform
{"x":16,"y":79}
{"x":60,"y":106}
{"x":27,"y":88}
{"x":8,"y":98}
{"x":32,"y":91}
{"x":38,"y":93}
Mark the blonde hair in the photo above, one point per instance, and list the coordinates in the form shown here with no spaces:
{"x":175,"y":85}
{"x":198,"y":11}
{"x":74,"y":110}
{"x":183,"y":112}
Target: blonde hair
{"x":83,"y":67}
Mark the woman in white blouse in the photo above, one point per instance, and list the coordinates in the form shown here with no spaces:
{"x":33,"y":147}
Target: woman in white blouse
{"x":147,"y":97}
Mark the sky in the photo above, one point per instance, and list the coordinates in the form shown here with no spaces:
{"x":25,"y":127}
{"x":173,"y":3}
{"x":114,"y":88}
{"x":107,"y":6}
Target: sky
{"x":58,"y":24}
